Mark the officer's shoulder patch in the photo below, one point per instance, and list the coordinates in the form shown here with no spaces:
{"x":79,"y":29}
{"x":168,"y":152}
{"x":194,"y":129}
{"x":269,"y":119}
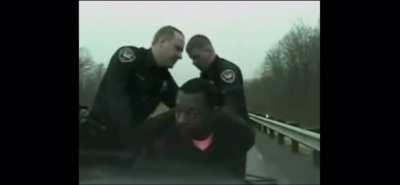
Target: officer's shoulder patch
{"x":228,"y":76}
{"x":126,"y":54}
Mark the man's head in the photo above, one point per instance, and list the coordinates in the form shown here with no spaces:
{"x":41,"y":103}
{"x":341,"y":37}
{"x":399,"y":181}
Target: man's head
{"x":167,"y":46}
{"x":201,"y":51}
{"x":197,"y":99}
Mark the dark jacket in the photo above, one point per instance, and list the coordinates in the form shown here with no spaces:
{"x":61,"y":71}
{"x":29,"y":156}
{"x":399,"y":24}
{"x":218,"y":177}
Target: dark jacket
{"x":232,"y":139}
{"x":129,"y":92}
{"x":228,"y":78}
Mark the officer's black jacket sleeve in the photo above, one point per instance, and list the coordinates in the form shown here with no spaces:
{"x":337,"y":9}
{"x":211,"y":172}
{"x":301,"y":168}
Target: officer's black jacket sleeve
{"x":232,"y":92}
{"x":154,"y":127}
{"x":169,"y":96}
{"x":231,"y":102}
{"x":235,"y":129}
{"x":237,"y":84}
{"x":245,"y":135}
{"x":113,"y":86}
{"x":121,"y":70}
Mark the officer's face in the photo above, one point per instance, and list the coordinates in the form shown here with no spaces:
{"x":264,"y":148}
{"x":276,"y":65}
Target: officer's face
{"x":201,"y":58}
{"x":191,"y":114}
{"x":171,"y":50}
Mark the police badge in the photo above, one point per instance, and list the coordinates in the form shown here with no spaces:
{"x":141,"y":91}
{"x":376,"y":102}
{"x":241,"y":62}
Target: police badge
{"x":126,"y":55}
{"x":228,"y":76}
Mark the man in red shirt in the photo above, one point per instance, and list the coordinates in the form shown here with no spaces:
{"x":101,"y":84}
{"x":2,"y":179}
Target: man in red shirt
{"x":197,"y":131}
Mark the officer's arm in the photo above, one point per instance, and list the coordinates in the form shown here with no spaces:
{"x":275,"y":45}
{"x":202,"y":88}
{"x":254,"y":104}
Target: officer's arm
{"x":123,"y":61}
{"x":240,"y":133}
{"x":231,"y":103}
{"x":153,"y":127}
{"x":231,"y":89}
{"x":245,"y":134}
{"x":243,"y":139}
{"x":169,"y":96}
{"x":112,"y":84}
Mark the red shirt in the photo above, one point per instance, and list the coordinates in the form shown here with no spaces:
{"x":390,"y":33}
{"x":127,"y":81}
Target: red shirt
{"x":203,"y":144}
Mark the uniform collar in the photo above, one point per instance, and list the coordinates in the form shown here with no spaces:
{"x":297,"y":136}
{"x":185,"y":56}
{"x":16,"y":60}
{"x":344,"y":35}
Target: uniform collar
{"x":150,"y":60}
{"x":213,"y":66}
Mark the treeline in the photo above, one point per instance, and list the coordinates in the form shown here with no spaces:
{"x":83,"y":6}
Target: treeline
{"x":90,"y":75}
{"x":289,"y":84}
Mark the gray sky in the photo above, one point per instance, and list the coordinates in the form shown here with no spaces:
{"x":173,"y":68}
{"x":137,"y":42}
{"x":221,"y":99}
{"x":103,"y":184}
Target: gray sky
{"x":241,"y":32}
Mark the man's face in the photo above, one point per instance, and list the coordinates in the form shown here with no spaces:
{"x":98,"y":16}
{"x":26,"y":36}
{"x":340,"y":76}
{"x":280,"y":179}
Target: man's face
{"x":191,"y":113}
{"x":201,"y":58}
{"x":171,"y":50}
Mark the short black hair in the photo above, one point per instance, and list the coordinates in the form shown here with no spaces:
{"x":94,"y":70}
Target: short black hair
{"x":211,"y":93}
{"x":167,"y":32}
{"x":198,"y":41}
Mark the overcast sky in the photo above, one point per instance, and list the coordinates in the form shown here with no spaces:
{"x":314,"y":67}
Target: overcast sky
{"x":241,"y":32}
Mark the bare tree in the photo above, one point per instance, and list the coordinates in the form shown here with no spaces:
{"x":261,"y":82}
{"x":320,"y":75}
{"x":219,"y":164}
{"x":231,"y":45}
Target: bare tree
{"x":289,"y":84}
{"x":90,"y":75}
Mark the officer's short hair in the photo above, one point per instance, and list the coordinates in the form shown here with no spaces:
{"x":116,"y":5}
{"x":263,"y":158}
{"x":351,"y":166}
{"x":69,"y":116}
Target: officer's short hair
{"x":211,"y":93}
{"x":198,"y":41}
{"x":167,"y":32}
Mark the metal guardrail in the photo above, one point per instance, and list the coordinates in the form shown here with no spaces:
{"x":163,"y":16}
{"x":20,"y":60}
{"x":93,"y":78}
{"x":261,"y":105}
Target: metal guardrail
{"x":296,"y":134}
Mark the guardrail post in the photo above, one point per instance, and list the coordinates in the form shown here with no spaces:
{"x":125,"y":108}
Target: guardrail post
{"x":281,"y":139}
{"x":271,"y":133}
{"x":295,"y":146}
{"x":316,"y":157}
{"x":264,"y":129}
{"x":281,"y":130}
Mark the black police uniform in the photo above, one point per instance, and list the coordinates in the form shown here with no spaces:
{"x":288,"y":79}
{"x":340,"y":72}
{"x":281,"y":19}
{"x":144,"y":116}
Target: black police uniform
{"x":130,"y":91}
{"x":228,"y":78}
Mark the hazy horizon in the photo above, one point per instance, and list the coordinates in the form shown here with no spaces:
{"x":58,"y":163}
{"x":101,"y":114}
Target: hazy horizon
{"x":241,"y":32}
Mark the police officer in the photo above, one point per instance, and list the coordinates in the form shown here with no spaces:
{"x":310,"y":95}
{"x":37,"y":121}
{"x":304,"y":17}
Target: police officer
{"x":223,"y":73}
{"x":136,"y":81}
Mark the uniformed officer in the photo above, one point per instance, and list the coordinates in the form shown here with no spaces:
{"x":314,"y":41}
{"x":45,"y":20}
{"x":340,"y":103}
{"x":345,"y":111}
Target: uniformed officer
{"x":223,"y":73}
{"x":136,"y":81}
